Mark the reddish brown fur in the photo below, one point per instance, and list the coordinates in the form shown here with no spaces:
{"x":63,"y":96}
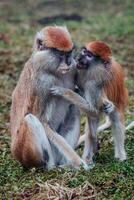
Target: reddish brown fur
{"x":53,"y":38}
{"x":100,"y":48}
{"x":116,"y":90}
{"x":23,"y":102}
{"x":24,"y":149}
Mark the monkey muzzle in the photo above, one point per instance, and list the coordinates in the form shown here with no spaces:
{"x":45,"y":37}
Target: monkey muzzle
{"x":79,"y":66}
{"x":64,"y":67}
{"x":81,"y":63}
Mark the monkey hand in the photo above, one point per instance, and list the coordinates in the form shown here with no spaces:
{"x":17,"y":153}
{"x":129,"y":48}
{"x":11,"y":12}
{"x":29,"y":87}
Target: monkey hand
{"x":57,"y":91}
{"x":108,"y":107}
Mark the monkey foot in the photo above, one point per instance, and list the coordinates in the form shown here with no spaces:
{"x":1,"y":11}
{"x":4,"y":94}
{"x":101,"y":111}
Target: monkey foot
{"x":121,"y":157}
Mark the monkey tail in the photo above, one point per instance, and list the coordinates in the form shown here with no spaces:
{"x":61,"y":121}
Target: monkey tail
{"x":107,"y":125}
{"x":130,"y":126}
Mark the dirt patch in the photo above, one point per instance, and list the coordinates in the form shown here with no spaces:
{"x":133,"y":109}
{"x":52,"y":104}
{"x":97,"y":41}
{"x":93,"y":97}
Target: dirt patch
{"x":54,"y":19}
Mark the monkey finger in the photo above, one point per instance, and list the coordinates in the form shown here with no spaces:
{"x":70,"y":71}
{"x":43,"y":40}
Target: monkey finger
{"x":108,"y":107}
{"x":56,"y":91}
{"x":109,"y":110}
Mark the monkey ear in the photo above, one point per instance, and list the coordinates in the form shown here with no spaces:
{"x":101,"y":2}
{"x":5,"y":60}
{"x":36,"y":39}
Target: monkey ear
{"x":38,"y":41}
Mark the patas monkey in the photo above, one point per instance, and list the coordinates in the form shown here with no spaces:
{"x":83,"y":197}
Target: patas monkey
{"x":45,"y":128}
{"x":101,"y":81}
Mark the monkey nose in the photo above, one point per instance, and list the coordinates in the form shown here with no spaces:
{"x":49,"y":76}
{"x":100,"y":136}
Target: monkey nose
{"x":81,"y":62}
{"x":68,"y":62}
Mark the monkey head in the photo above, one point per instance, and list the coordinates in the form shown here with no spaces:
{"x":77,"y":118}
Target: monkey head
{"x":93,"y":54}
{"x":54,"y":45}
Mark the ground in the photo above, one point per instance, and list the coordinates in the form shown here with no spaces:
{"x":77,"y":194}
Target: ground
{"x":111,"y":21}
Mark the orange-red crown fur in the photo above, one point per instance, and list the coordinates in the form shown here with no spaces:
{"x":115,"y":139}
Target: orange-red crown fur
{"x":57,"y":37}
{"x":100,"y":48}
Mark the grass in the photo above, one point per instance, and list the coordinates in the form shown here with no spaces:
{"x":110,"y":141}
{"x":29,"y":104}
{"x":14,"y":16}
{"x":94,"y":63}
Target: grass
{"x":110,"y":22}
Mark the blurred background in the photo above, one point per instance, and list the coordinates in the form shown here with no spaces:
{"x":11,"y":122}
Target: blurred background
{"x":109,"y":20}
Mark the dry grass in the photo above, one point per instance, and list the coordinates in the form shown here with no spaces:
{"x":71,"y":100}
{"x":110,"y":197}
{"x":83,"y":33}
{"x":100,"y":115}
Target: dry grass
{"x":58,"y":191}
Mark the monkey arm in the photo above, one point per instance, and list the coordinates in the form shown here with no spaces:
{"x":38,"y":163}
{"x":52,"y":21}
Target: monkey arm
{"x":96,"y":99}
{"x":76,"y":99}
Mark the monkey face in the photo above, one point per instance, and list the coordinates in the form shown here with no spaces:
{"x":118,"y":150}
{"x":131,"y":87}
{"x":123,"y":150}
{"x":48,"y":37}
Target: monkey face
{"x":87,"y":59}
{"x":66,"y":61}
{"x":57,"y":60}
{"x":66,"y":57}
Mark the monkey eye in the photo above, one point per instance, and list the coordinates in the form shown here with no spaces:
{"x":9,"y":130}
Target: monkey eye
{"x":90,"y":54}
{"x":57,"y":52}
{"x":83,"y":51}
{"x":39,"y":44}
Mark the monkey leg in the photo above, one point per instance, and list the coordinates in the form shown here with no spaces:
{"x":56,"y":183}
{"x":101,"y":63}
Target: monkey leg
{"x":66,"y":150}
{"x":118,"y":131}
{"x":31,"y":146}
{"x":122,"y":117}
{"x":91,"y":143}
